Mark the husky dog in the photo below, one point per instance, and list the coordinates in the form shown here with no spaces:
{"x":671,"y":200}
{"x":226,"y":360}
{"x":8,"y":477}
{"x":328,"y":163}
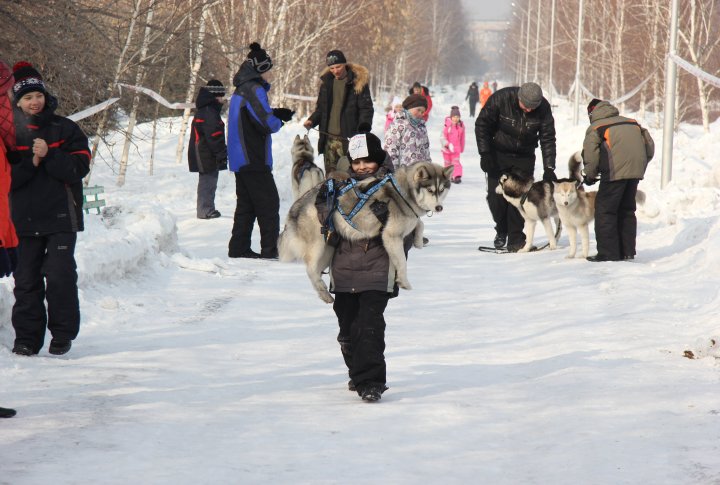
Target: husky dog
{"x":305,"y":174}
{"x":421,"y":189}
{"x":576,"y":207}
{"x":535,"y":203}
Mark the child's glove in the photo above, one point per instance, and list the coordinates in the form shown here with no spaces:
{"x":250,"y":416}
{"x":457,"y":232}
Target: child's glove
{"x":8,"y":261}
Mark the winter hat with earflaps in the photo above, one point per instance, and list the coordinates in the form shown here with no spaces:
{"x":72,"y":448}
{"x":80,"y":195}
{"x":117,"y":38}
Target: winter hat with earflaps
{"x":366,"y":145}
{"x":27,"y":79}
{"x":454,"y":111}
{"x":258,"y":59}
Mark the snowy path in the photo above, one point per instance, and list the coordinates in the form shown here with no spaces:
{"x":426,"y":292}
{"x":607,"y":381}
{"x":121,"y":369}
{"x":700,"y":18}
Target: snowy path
{"x":503,"y":369}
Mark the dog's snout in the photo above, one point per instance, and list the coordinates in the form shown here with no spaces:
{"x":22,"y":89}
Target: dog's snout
{"x":438,"y":208}
{"x":565,"y":203}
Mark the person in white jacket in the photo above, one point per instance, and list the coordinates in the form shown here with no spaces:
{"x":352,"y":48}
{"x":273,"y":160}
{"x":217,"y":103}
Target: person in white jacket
{"x":406,"y":140}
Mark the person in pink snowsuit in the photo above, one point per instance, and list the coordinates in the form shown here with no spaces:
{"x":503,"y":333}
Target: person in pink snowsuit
{"x":394,"y":108}
{"x":453,"y":142}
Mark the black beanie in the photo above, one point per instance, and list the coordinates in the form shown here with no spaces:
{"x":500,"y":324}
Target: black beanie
{"x":366,"y":145}
{"x":259,"y":59}
{"x":335,"y":57}
{"x":215,"y":87}
{"x":592,"y":104}
{"x":27,"y":79}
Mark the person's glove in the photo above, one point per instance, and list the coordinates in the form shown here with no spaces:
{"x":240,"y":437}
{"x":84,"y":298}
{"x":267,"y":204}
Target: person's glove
{"x":588,"y":181}
{"x":488,"y":163}
{"x":8,"y":261}
{"x":284,"y":114}
{"x":549,"y":175}
{"x":222,"y":164}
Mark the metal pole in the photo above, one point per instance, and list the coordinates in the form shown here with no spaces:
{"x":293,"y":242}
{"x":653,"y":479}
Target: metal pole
{"x":669,"y":117}
{"x":518,"y":72}
{"x":527,"y":43}
{"x":550,"y":87}
{"x":577,"y":63}
{"x":537,"y":41}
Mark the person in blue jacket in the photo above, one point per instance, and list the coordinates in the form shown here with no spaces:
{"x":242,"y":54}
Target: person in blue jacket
{"x":251,"y":122}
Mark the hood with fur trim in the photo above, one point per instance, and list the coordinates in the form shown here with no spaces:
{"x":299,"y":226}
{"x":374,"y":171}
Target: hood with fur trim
{"x":359,"y":76}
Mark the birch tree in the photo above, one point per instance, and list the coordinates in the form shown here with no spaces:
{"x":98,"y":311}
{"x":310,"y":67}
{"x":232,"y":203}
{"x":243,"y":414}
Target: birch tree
{"x":140,"y":75}
{"x":194,"y":69}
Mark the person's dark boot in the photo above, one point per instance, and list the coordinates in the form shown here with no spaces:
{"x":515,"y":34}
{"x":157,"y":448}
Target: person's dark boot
{"x":7,"y":413}
{"x":59,"y":347}
{"x":500,"y":240}
{"x":22,"y":349}
{"x":249,"y":254}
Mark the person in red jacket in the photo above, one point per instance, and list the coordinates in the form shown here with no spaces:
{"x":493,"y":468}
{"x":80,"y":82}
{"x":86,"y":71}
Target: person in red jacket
{"x":418,"y":88}
{"x":485,"y":93}
{"x":8,"y":239}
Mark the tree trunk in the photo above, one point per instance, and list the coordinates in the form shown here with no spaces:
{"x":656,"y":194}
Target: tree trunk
{"x":197,"y":62}
{"x":136,"y":98}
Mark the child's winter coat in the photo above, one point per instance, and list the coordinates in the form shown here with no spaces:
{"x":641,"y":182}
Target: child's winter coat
{"x":406,"y":140}
{"x":452,"y":139}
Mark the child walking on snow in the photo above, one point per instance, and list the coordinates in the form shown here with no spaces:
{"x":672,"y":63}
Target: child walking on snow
{"x":453,"y":142}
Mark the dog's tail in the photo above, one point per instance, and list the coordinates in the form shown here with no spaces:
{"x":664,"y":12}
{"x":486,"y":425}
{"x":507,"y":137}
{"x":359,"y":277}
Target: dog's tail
{"x":640,"y":197}
{"x":285,"y":250}
{"x":575,"y":166}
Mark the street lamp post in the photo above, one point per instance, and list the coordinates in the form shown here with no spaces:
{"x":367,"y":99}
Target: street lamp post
{"x":577,"y":63}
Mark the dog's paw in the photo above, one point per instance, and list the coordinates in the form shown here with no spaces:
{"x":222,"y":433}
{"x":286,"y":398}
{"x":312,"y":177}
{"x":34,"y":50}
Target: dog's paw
{"x":404,"y":284}
{"x":570,"y":256}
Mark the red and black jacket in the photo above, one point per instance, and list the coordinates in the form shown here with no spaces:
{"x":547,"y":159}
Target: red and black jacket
{"x":48,"y":199}
{"x":207,"y":151}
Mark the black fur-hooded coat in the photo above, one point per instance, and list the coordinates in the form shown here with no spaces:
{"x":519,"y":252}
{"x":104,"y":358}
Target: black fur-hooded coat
{"x":357,"y":105}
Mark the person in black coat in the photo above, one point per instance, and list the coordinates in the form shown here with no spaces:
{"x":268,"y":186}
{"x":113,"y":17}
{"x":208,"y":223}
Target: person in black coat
{"x":473,"y":97}
{"x":508,"y":129}
{"x":207,"y":153}
{"x":343,"y":104}
{"x":48,"y":164}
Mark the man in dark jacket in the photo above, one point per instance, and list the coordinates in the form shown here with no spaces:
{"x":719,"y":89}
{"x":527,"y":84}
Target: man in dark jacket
{"x":48,"y":164}
{"x":363,"y":280}
{"x":251,"y":123}
{"x":207,"y":153}
{"x":507,"y":131}
{"x":344,"y":102}
{"x":473,"y":97}
{"x":621,"y":165}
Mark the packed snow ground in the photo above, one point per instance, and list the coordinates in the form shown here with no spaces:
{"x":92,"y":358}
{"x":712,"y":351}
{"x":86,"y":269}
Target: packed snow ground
{"x":503,"y":369}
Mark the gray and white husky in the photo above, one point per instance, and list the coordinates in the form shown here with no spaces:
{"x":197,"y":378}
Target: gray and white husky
{"x":535,"y":203}
{"x":305,"y":174}
{"x":576,"y":207}
{"x":421,"y":189}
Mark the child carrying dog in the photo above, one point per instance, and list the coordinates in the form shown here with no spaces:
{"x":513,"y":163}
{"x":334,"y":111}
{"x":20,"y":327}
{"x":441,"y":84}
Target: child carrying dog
{"x":452,"y":141}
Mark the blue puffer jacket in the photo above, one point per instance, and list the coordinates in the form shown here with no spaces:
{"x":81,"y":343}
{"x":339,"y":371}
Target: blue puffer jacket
{"x":250,"y":123}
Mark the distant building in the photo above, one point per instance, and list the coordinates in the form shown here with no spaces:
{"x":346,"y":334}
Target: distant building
{"x":487,"y":37}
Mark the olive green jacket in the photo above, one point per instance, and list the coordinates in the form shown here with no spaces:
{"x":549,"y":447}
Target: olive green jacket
{"x":615,"y":147}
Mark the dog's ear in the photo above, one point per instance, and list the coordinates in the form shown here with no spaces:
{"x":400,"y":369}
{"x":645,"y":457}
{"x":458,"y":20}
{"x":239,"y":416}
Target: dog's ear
{"x":297,"y":137}
{"x":503,"y":178}
{"x":306,"y":139}
{"x":421,"y":173}
{"x":448,"y":171}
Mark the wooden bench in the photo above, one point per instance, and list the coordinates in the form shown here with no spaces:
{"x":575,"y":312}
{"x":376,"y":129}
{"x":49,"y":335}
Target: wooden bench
{"x":91,"y":198}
